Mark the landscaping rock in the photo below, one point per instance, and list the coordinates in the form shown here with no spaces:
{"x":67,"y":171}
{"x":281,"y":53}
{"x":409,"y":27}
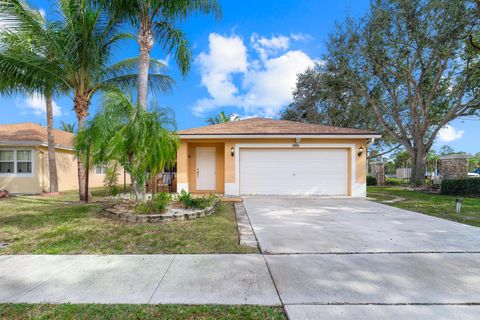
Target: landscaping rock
{"x":122,"y":212}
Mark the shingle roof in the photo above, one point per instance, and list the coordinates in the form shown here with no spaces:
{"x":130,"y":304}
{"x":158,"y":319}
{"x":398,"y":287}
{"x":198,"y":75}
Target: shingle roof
{"x":263,"y":126}
{"x":32,"y":132}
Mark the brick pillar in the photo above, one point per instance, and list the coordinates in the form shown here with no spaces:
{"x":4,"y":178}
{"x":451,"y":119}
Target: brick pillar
{"x":378,"y":171}
{"x":454,"y":166}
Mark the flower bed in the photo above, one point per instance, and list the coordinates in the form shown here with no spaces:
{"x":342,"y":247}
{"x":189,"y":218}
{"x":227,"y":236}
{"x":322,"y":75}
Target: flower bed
{"x":124,"y":210}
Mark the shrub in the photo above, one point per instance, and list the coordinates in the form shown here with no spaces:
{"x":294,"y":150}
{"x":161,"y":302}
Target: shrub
{"x":461,"y":187}
{"x":371,"y":181}
{"x":198,"y":203}
{"x":395,"y":182}
{"x":157,"y":204}
{"x":111,"y":179}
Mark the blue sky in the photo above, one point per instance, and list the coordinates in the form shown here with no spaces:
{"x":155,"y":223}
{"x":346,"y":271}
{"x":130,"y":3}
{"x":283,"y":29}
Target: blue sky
{"x":245,"y":63}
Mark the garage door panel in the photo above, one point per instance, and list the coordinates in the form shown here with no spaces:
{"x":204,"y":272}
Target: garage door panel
{"x":293,"y":172}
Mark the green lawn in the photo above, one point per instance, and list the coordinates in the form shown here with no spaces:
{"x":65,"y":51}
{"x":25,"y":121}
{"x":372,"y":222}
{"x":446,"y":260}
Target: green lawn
{"x":167,"y":312}
{"x":61,"y":225}
{"x":432,"y":204}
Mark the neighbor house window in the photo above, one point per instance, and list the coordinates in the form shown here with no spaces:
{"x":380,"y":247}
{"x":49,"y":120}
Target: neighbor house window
{"x":7,"y":161}
{"x":16,"y":161}
{"x":101,"y":169}
{"x":24,"y":161}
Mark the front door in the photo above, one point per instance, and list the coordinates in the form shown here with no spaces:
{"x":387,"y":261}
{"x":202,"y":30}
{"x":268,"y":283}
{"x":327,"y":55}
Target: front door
{"x":206,"y":168}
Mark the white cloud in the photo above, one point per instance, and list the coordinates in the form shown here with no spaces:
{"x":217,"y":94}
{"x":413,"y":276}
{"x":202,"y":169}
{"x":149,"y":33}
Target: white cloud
{"x":449,"y":134}
{"x":300,"y":36}
{"x":257,"y":86}
{"x":35,"y":104}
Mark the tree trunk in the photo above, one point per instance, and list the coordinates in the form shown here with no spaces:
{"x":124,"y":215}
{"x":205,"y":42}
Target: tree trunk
{"x":87,"y":175}
{"x":145,"y":42}
{"x":418,"y":166}
{"x":80,"y":105}
{"x":52,"y":164}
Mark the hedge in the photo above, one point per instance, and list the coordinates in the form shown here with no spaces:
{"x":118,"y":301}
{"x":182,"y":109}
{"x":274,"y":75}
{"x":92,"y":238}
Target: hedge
{"x":371,"y":181}
{"x":395,"y":182}
{"x":461,"y":187}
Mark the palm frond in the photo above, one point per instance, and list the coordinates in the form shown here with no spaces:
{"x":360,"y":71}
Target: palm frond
{"x":172,"y":38}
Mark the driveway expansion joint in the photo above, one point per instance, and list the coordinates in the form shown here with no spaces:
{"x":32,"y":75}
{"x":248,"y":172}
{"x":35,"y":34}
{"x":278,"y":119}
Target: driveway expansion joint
{"x":160,"y":281}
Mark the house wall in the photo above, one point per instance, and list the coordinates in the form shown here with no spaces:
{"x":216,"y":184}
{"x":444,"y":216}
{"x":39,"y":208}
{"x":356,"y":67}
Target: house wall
{"x":39,"y":181}
{"x":23,"y":184}
{"x":186,"y":166}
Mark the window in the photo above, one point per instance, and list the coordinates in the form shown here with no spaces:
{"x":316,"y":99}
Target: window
{"x":7,"y":161}
{"x":24,"y":161}
{"x":101,"y":169}
{"x":16,"y":161}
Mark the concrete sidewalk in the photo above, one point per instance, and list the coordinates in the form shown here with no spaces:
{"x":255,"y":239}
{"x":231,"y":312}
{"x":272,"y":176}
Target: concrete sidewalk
{"x":310,"y":286}
{"x":184,"y":279}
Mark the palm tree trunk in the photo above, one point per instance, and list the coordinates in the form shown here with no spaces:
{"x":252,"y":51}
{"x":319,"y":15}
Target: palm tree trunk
{"x":80,"y":105}
{"x":87,"y":175}
{"x":145,"y":42}
{"x":52,"y":165}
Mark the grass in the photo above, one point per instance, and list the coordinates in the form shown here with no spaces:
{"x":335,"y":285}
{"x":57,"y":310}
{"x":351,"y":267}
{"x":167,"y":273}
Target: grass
{"x":61,"y":225}
{"x":170,"y":312}
{"x":441,"y":206}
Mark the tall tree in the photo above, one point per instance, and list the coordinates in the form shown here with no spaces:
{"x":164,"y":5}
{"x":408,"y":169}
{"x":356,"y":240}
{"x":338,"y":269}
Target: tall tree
{"x":84,"y":52}
{"x":156,"y":20}
{"x":409,"y":60}
{"x":30,"y":39}
{"x":321,"y":97}
{"x":222,"y":117}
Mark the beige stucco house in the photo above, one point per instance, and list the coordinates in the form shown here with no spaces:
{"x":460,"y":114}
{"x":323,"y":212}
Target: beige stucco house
{"x":260,"y":156}
{"x":24,"y":160}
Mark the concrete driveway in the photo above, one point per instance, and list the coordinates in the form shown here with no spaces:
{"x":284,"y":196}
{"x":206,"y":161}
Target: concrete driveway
{"x":320,"y":225}
{"x":356,"y":259}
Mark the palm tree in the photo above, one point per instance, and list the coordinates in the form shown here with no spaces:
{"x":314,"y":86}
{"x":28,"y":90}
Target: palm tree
{"x":28,"y":41}
{"x":84,"y":40}
{"x":156,"y":20}
{"x":222,"y":118}
{"x":68,"y":127}
{"x":122,"y":131}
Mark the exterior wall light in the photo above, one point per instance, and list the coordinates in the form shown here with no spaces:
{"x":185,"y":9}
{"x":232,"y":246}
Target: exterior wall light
{"x":360,"y":151}
{"x":232,"y":151}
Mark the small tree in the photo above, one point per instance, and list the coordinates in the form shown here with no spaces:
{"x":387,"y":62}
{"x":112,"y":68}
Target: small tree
{"x":122,"y":131}
{"x":222,"y":117}
{"x":68,"y":127}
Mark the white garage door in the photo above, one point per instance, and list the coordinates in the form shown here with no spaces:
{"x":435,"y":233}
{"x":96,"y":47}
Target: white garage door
{"x":293,"y":172}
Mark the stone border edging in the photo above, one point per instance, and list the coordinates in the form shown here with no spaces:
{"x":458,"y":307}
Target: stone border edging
{"x":245,"y":230}
{"x":171,"y":215}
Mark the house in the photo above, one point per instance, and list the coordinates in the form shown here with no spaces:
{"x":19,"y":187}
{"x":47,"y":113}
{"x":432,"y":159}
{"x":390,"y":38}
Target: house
{"x":24,"y":160}
{"x":261,"y":156}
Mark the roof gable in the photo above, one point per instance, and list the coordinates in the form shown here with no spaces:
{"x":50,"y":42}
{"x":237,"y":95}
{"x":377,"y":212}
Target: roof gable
{"x":264,"y":126}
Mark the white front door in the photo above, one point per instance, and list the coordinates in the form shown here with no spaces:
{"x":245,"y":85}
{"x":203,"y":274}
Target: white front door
{"x":293,"y":172}
{"x":206,"y":168}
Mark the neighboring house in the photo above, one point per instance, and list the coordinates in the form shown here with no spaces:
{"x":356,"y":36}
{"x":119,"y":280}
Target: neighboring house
{"x":272,"y":157}
{"x":24,"y":160}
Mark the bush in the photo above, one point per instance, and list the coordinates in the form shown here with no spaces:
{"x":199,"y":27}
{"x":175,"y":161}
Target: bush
{"x":156,"y":205}
{"x":395,"y":182}
{"x":197,"y":203}
{"x":111,"y":179}
{"x":461,"y":187}
{"x":371,"y":181}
